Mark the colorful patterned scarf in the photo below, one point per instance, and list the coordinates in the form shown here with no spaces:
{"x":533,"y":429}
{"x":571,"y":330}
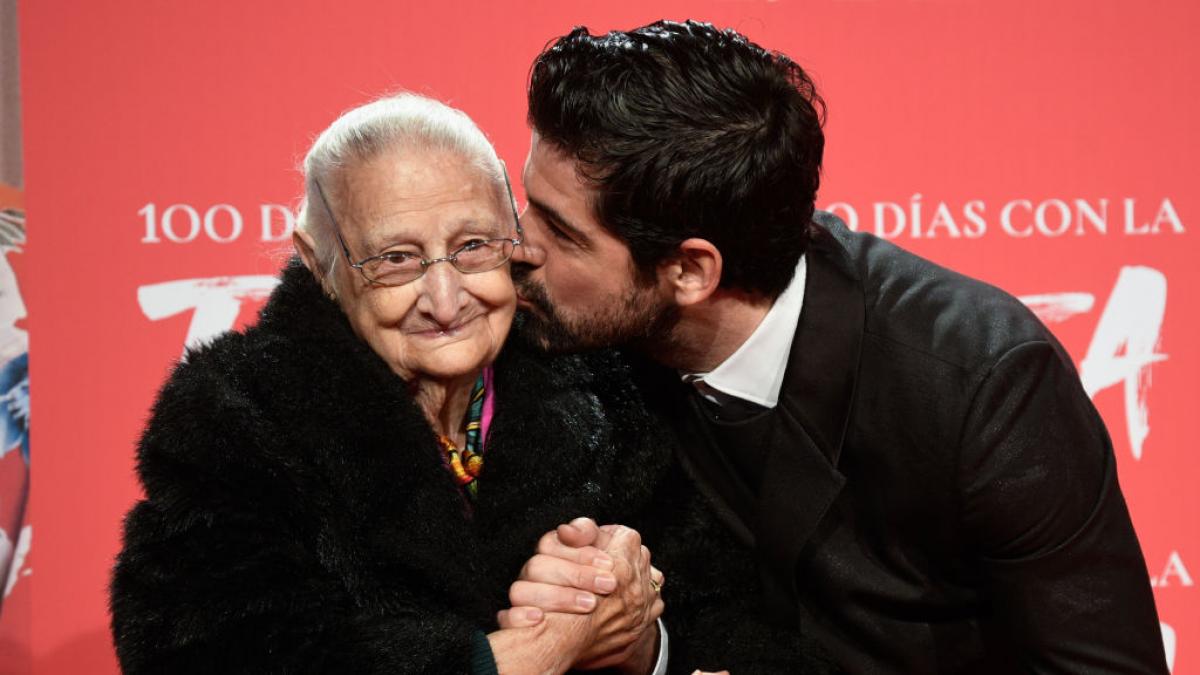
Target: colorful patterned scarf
{"x":466,"y":464}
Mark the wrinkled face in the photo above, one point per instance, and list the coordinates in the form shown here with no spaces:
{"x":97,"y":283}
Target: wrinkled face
{"x":577,"y":282}
{"x":429,"y":203}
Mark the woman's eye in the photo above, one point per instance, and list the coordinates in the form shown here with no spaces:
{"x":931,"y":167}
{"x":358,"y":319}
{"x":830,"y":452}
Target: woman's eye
{"x":473,"y":244}
{"x":397,"y":258}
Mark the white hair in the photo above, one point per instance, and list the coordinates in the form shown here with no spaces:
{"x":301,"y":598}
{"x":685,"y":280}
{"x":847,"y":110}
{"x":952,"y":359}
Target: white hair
{"x":396,"y":122}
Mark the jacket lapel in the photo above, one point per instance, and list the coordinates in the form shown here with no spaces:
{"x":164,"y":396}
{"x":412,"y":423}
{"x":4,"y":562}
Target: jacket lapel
{"x":801,"y":479}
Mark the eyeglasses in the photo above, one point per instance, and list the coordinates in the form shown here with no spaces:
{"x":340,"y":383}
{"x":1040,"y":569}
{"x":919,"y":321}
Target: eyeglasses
{"x":396,"y":268}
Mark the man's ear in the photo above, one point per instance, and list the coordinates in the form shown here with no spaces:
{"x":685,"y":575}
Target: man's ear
{"x":693,"y":273}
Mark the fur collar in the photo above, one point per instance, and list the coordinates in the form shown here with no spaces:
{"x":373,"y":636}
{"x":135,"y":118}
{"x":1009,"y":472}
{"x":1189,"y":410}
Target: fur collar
{"x":304,"y":419}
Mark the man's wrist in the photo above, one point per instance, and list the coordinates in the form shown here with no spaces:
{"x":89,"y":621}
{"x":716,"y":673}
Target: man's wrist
{"x":646,"y":654}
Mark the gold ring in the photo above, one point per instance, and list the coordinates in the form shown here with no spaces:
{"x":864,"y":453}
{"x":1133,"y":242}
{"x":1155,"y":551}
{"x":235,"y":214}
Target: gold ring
{"x":655,"y":586}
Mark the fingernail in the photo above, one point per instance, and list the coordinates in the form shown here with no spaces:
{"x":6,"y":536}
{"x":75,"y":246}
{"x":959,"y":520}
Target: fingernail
{"x":585,"y":600}
{"x":533,"y":614}
{"x":580,"y":522}
{"x":602,"y":561}
{"x":606,"y":583}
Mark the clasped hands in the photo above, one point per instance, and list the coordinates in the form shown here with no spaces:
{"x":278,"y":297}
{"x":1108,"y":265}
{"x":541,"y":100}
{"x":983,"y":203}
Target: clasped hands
{"x":593,"y":589}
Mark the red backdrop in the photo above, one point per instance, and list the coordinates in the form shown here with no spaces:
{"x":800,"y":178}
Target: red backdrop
{"x":1048,"y":148}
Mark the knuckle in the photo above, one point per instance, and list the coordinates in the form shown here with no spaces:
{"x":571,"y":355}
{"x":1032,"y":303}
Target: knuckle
{"x":587,"y":555}
{"x":515,"y":592}
{"x":627,"y":536}
{"x":541,"y":596}
{"x":583,"y":577}
{"x":635,"y":537}
{"x":590,"y":555}
{"x":536,"y":567}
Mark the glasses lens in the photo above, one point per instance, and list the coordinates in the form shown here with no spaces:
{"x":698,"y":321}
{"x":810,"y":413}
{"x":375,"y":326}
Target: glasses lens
{"x":483,"y":255}
{"x":393,"y":270}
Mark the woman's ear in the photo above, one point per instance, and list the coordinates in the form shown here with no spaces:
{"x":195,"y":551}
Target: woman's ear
{"x":693,"y":273}
{"x":306,"y":248}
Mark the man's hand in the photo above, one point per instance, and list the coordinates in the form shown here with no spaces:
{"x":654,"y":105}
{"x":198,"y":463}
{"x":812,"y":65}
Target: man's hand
{"x":624,"y":622}
{"x":605,"y":571}
{"x":564,"y":577}
{"x":571,"y":567}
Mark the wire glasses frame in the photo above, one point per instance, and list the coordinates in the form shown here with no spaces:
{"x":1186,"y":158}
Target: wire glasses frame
{"x":490,"y":253}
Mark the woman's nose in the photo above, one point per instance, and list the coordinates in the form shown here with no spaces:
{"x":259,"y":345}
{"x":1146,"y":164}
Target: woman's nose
{"x":442,"y":296}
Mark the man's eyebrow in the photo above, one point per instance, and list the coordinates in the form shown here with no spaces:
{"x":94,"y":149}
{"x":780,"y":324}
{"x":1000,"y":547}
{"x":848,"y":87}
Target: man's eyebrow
{"x":558,"y":221}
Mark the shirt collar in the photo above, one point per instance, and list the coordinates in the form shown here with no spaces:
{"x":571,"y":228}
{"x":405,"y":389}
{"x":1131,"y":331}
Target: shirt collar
{"x":754,"y":372}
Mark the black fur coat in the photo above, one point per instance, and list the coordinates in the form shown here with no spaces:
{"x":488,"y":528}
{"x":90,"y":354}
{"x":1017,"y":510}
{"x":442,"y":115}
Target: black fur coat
{"x":298,"y":516}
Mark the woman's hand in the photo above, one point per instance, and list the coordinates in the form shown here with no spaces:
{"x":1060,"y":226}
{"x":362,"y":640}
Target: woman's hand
{"x":603,"y":574}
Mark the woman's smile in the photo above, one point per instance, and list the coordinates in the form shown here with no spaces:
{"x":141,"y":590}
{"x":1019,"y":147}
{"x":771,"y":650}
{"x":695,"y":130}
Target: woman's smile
{"x":454,"y":330}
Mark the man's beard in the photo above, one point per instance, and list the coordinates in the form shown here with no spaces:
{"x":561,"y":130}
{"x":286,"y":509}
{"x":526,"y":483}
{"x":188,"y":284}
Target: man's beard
{"x":640,"y":320}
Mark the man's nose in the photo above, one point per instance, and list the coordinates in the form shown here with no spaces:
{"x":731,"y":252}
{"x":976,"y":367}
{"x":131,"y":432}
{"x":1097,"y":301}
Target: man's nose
{"x":530,"y":253}
{"x":442,"y":294}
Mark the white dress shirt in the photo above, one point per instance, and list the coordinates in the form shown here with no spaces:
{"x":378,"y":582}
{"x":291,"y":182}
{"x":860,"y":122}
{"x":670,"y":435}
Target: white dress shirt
{"x":660,"y":665}
{"x":754,"y":372}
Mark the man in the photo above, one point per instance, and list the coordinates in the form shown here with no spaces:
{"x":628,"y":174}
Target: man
{"x":909,"y":453}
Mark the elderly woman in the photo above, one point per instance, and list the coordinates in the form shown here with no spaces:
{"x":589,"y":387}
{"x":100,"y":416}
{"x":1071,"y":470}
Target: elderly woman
{"x":315,"y":497}
{"x":353,"y":484}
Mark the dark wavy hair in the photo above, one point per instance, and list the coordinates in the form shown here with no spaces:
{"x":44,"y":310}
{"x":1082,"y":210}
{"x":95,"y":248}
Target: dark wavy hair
{"x":688,"y":131}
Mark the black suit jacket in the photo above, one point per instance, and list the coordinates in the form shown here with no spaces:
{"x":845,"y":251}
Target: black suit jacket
{"x":935,"y":491}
